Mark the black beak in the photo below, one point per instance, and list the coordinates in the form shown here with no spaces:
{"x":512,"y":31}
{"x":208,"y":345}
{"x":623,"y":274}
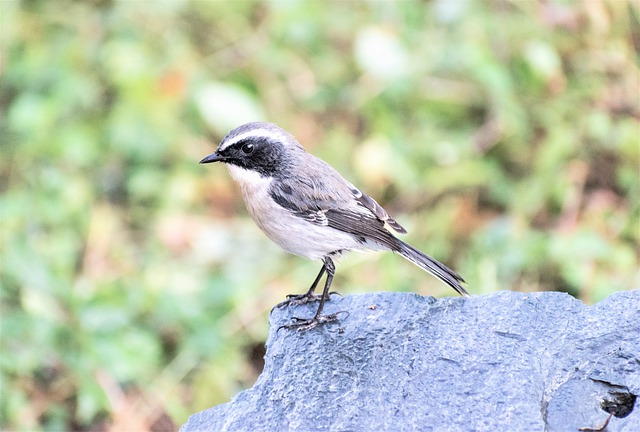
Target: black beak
{"x":213,"y":157}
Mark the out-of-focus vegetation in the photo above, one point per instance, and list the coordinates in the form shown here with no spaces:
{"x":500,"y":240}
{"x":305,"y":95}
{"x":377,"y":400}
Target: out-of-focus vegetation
{"x":135,"y":290}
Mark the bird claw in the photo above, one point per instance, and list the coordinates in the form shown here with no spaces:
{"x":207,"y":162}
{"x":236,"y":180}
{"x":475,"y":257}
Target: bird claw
{"x":302,"y":299}
{"x":304,"y":324}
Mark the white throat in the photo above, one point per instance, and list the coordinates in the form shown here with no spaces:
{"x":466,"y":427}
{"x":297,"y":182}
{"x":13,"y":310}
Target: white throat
{"x":250,"y":181}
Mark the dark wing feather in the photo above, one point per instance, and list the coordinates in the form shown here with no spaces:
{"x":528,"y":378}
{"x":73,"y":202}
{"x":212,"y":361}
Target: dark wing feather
{"x":361,"y":226}
{"x":369,"y":203}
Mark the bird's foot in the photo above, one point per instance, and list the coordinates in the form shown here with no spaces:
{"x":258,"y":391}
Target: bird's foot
{"x":304,"y":324}
{"x":302,"y":299}
{"x":299,"y":299}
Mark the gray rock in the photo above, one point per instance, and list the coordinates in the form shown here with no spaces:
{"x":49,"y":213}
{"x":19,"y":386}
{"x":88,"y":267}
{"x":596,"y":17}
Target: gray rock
{"x":401,"y":362}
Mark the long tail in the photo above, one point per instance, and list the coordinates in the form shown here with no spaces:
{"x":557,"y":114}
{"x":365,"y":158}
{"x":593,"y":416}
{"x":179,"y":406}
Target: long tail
{"x":432,"y":266}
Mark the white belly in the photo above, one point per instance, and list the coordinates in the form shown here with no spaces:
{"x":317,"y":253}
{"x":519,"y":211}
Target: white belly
{"x":290,"y":232}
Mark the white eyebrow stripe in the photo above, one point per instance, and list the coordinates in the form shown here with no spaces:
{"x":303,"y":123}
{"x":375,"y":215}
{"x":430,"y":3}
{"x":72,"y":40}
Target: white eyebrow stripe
{"x":255,"y":133}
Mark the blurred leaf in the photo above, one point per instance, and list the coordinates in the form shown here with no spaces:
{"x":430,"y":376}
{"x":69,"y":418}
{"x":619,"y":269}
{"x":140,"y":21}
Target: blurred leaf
{"x":224,"y":106}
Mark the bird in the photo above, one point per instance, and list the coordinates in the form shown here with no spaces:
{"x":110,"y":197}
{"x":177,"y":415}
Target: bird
{"x":308,"y":209}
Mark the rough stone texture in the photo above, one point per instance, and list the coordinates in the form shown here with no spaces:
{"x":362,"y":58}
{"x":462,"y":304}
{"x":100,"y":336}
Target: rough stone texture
{"x":401,"y":362}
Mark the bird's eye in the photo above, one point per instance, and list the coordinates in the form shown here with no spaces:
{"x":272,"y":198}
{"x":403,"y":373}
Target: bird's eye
{"x":247,"y":148}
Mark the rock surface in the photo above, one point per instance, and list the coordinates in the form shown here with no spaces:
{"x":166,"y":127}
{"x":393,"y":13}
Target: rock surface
{"x":401,"y":362}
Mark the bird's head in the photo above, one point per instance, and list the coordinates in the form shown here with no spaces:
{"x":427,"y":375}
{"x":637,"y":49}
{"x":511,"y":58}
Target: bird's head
{"x":261,"y":147}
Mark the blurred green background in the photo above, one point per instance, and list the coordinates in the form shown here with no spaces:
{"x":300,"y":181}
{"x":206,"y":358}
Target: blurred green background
{"x":505,"y":135}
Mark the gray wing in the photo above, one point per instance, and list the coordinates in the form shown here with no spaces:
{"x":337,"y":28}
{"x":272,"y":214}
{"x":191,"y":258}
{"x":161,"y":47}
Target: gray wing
{"x":329,"y":200}
{"x":353,"y":218}
{"x":306,"y":202}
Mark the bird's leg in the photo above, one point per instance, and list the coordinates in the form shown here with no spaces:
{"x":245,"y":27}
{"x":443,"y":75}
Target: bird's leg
{"x":309,"y":296}
{"x":302,"y":324}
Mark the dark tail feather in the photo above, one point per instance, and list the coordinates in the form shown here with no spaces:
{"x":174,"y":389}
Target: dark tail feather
{"x":432,"y":266}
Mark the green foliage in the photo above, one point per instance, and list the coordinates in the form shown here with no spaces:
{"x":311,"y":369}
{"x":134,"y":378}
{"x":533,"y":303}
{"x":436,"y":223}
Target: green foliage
{"x":135,"y":290}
